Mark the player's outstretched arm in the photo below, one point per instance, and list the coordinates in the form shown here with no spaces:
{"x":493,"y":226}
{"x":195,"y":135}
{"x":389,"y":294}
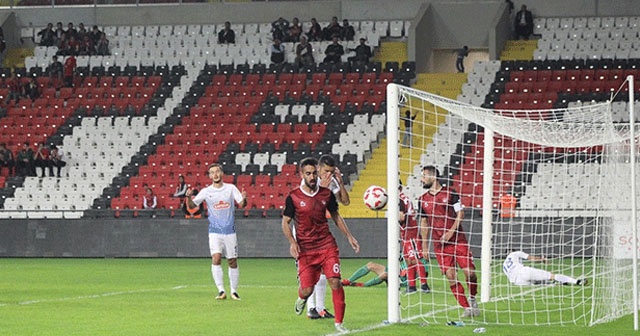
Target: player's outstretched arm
{"x":188,"y":200}
{"x":294,"y":249}
{"x":342,"y":225}
{"x":537,"y":258}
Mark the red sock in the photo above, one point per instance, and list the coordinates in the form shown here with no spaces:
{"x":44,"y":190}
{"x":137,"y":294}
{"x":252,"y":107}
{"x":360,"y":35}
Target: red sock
{"x":458,"y":292}
{"x":422,"y":273}
{"x":473,"y":287}
{"x":411,"y":275}
{"x":338,"y":303}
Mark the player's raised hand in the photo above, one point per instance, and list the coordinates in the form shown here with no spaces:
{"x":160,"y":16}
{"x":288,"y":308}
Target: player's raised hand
{"x":243,"y":193}
{"x":189,"y":192}
{"x":294,"y":250}
{"x":354,"y":244}
{"x":325,"y":180}
{"x":338,"y":175}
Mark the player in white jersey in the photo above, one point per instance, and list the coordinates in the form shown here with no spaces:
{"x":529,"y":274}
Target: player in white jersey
{"x":221,"y":201}
{"x":522,"y":275}
{"x":329,"y":176}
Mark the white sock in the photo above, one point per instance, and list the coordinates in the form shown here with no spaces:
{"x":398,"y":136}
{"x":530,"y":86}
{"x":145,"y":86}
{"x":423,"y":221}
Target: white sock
{"x":320,"y":292}
{"x":565,"y":279}
{"x":218,"y":278}
{"x":234,"y":276}
{"x":311,"y":301}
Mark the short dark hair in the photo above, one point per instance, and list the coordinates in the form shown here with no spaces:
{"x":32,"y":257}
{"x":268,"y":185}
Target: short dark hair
{"x":215,"y":165}
{"x":327,"y":160}
{"x":309,"y":161}
{"x":432,"y":170}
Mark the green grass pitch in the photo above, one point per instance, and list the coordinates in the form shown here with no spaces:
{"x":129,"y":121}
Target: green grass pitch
{"x":176,"y":297}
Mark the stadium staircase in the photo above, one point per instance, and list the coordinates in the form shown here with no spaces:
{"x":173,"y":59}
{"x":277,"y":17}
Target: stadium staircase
{"x":519,"y":50}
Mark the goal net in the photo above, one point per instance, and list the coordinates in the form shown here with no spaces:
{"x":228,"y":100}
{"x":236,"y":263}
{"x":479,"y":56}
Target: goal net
{"x":555,"y":183}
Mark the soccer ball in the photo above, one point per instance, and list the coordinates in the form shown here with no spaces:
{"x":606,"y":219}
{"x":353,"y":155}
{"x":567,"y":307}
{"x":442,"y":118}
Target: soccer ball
{"x":375,"y":197}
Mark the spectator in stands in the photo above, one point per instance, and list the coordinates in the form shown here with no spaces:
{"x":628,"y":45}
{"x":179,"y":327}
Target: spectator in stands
{"x":41,"y":158}
{"x":82,"y":31}
{"x":348,"y":32}
{"x":181,"y":188}
{"x":227,"y":35}
{"x":295,"y":30}
{"x":102,"y":47}
{"x":277,"y":52}
{"x":57,"y":160}
{"x":304,"y":53}
{"x":15,"y":89}
{"x":24,"y":161}
{"x":69,"y":46}
{"x":150,"y":202}
{"x":31,"y":89}
{"x":195,"y":212}
{"x":363,"y":53}
{"x":461,"y":54}
{"x":59,"y":34}
{"x":333,"y":29}
{"x":524,"y":23}
{"x":95,"y":34}
{"x":47,"y":36}
{"x":407,"y":138}
{"x":334,"y":52}
{"x":69,"y":71}
{"x":315,"y":32}
{"x":280,"y":29}
{"x":71,"y":32}
{"x":55,"y":68}
{"x":6,"y":158}
{"x":86,"y":46}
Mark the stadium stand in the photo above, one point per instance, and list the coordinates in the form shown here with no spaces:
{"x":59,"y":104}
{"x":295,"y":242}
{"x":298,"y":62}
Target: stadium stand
{"x":169,"y":101}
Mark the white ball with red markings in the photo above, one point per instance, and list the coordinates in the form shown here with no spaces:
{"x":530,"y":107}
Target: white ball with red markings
{"x":375,"y":197}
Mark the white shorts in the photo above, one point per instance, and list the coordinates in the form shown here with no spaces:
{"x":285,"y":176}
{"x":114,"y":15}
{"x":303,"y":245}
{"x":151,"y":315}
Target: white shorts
{"x":227,"y":243}
{"x":530,"y":276}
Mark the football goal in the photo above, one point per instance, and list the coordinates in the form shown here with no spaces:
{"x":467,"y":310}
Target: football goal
{"x":555,"y":183}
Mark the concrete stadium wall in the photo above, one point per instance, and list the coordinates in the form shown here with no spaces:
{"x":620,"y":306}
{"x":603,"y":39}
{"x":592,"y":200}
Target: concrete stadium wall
{"x":144,"y":237}
{"x":257,"y":238}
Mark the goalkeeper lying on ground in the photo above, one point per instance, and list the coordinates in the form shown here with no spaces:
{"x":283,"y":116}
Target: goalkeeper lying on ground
{"x":522,"y":275}
{"x":381,"y":272}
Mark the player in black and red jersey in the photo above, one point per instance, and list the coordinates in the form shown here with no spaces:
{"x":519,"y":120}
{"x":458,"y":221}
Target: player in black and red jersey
{"x":441,"y":212}
{"x":314,"y":246}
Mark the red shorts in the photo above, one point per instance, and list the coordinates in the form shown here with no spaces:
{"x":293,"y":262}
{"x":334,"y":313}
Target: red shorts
{"x":411,"y":250}
{"x":451,"y":254}
{"x":313,"y":263}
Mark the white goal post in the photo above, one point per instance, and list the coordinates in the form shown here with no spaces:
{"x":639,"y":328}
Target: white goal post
{"x":571,"y":175}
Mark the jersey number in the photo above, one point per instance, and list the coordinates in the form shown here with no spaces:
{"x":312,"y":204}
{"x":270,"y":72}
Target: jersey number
{"x":336,"y":268}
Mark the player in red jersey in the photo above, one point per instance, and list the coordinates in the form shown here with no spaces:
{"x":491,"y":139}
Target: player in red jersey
{"x":314,"y":246}
{"x":411,"y":247}
{"x":441,"y":212}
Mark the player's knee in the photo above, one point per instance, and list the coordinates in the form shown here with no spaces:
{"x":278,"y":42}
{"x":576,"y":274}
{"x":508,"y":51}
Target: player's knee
{"x":451,"y":274}
{"x":334,"y":283}
{"x":306,"y":292}
{"x":215,"y":259}
{"x":233,"y":263}
{"x":371,"y":265}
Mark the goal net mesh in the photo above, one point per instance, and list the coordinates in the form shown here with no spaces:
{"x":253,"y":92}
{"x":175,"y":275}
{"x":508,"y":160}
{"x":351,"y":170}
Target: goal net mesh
{"x":560,"y":189}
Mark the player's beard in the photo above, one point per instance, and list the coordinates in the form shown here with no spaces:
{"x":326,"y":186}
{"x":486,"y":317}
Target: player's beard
{"x":216,"y":181}
{"x":427,"y":185}
{"x":312,"y":185}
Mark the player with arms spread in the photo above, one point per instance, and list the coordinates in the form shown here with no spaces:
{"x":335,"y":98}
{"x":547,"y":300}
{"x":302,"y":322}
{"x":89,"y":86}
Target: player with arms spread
{"x":314,"y":246}
{"x":221,"y":199}
{"x":441,"y":211}
{"x":522,"y":275}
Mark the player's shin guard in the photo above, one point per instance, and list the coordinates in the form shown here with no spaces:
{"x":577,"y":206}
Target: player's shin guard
{"x":422,"y":273}
{"x":338,"y":303}
{"x":458,"y":292}
{"x":320,"y":292}
{"x":362,"y":271}
{"x":472,"y":284}
{"x":218,"y":277}
{"x":234,"y":277}
{"x":411,"y":275}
